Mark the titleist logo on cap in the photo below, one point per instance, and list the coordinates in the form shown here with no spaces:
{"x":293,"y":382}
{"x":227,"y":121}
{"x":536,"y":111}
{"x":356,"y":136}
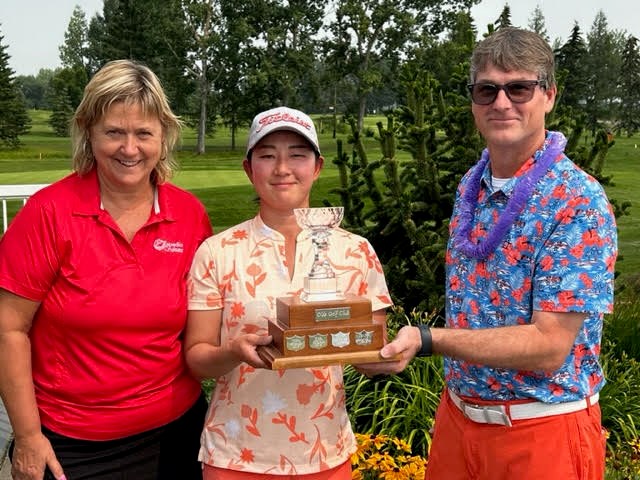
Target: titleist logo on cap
{"x":281,"y":117}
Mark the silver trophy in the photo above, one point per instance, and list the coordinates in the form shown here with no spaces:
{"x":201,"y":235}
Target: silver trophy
{"x":321,"y":283}
{"x":322,"y":325}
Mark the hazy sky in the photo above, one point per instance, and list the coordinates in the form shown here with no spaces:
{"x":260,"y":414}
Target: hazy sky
{"x":34,"y":29}
{"x":560,"y":15}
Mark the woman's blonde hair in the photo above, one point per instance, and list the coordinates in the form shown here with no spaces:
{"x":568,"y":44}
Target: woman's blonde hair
{"x":134,"y":84}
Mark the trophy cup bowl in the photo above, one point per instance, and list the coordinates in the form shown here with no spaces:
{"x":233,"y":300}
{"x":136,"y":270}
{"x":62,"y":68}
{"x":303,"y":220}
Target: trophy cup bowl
{"x":322,"y":326}
{"x":321,"y":218}
{"x":321,"y":282}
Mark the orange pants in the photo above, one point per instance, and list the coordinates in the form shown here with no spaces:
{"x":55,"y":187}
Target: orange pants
{"x":560,"y":447}
{"x":341,"y":472}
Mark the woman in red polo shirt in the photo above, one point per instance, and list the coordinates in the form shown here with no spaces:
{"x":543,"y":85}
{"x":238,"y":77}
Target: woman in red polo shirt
{"x":93,"y":299}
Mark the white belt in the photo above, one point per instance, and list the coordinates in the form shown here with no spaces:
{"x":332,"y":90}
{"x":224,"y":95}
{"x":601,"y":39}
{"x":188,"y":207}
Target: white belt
{"x":501,"y":415}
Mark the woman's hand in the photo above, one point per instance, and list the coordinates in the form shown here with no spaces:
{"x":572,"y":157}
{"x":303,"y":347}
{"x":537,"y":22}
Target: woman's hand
{"x":207,"y":356}
{"x":244,"y":348}
{"x":31,"y":456}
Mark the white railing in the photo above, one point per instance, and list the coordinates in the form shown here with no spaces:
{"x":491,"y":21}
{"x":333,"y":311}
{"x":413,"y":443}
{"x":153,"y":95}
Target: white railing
{"x":16,"y":193}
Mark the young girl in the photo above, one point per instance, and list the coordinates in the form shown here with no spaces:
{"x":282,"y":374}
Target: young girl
{"x":262,"y":423}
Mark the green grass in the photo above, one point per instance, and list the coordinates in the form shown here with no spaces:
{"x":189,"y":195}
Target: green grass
{"x":623,"y":163}
{"x":219,"y":181}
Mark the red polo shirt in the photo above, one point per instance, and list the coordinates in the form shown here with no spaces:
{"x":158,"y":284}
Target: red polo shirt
{"x":107,"y":356}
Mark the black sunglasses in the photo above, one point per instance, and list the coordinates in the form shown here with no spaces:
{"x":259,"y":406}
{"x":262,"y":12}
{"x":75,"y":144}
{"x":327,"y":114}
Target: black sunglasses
{"x":520,"y":91}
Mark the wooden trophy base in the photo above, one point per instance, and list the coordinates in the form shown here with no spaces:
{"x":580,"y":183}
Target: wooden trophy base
{"x":320,"y":333}
{"x":276,"y":361}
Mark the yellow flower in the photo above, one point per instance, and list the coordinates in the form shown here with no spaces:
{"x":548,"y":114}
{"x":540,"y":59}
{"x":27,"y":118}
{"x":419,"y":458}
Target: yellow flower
{"x":635,"y":445}
{"x":402,"y":445}
{"x":381,"y":457}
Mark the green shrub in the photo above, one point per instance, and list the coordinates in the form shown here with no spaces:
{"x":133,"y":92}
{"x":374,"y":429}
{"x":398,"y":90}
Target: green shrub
{"x":401,"y":405}
{"x":619,"y":397}
{"x":622,"y":328}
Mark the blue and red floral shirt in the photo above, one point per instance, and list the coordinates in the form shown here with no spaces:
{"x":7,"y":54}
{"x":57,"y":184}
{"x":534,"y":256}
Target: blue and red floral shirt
{"x":559,"y":256}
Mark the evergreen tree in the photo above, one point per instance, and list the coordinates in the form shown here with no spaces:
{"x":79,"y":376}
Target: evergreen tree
{"x":71,"y":81}
{"x":406,"y":206}
{"x":629,"y":114}
{"x":61,"y":114}
{"x":150,"y":32}
{"x":537,"y":23}
{"x":603,"y":65}
{"x":14,"y":120}
{"x":64,"y":93}
{"x":74,"y":53}
{"x":95,"y":49}
{"x":571,"y":72}
{"x":504,"y":20}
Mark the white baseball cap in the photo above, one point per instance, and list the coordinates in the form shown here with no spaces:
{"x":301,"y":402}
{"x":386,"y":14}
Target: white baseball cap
{"x":282,"y":118}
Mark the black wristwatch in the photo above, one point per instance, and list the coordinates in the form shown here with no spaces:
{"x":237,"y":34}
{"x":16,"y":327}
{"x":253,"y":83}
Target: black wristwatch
{"x":426,"y":350}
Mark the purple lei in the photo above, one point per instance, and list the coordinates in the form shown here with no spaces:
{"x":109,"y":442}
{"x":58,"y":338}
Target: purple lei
{"x":553,"y":146}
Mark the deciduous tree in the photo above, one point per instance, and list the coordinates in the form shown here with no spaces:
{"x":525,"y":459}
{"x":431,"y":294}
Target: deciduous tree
{"x":203,"y":20}
{"x":237,"y":98}
{"x":67,"y":84}
{"x":35,"y":88}
{"x":281,"y":53}
{"x":368,"y":33}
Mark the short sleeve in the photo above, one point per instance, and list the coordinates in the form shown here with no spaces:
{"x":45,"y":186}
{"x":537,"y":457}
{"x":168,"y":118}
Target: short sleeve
{"x":375,"y":280}
{"x":357,"y":262}
{"x":575,"y":267}
{"x":29,"y":251}
{"x":204,"y":293}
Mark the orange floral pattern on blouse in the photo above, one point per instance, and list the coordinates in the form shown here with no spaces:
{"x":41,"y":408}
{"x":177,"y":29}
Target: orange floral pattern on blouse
{"x":276,"y":422}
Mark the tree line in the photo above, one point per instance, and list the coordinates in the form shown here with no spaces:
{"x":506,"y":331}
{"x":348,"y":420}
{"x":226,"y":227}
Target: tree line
{"x":221,"y":61}
{"x":225,"y":62}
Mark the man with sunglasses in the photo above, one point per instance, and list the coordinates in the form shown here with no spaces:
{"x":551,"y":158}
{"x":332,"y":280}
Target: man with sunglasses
{"x":530,"y":264}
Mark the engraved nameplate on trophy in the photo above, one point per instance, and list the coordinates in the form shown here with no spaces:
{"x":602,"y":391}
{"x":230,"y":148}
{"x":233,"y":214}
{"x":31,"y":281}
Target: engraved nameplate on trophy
{"x":322,"y":326}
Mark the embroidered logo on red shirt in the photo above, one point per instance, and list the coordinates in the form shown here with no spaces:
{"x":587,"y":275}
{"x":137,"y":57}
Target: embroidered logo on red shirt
{"x":169,"y":247}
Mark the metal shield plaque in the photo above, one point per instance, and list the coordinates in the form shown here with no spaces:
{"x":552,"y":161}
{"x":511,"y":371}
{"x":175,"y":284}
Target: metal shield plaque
{"x":318,"y":341}
{"x":340,"y":339}
{"x":295,"y":343}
